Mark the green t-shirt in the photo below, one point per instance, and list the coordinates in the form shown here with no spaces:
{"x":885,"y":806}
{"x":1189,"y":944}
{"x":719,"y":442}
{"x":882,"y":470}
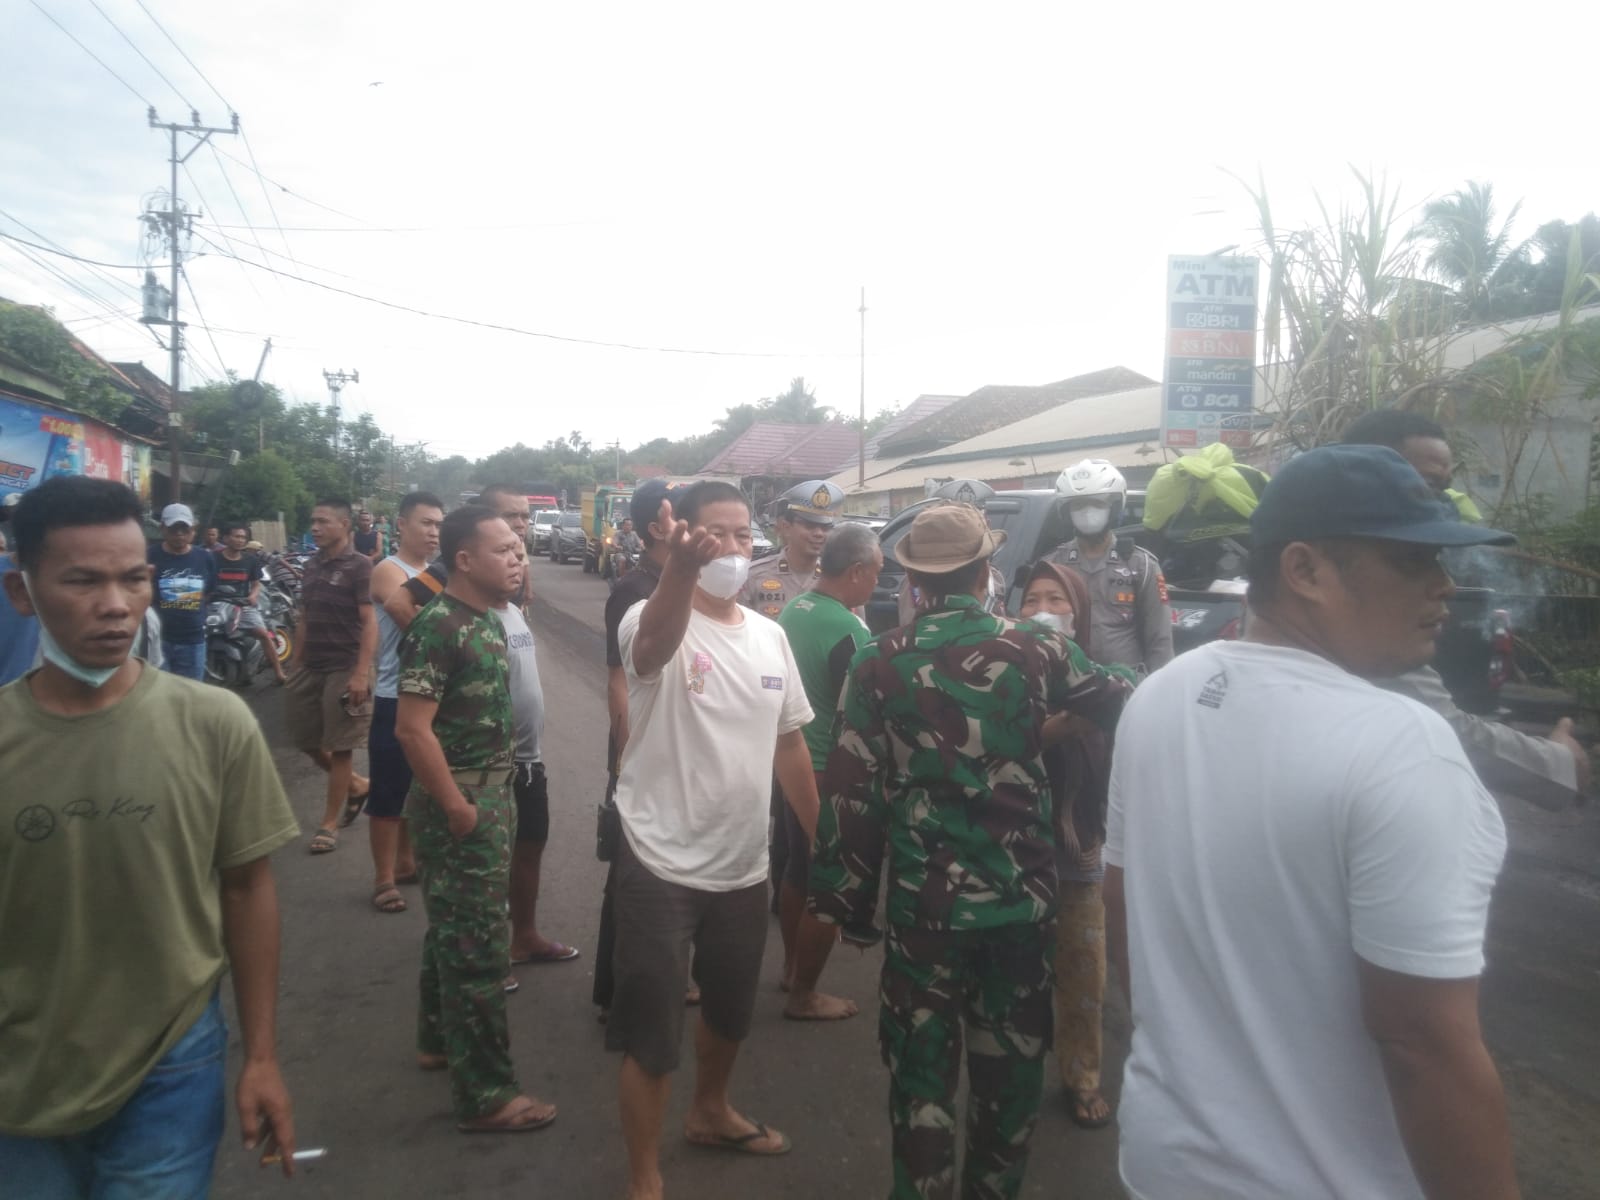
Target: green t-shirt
{"x":455,"y":656}
{"x":114,"y":828}
{"x":824,"y":636}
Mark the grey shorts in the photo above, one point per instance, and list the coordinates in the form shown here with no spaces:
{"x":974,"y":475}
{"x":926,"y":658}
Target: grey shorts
{"x":250,"y":617}
{"x":656,"y":925}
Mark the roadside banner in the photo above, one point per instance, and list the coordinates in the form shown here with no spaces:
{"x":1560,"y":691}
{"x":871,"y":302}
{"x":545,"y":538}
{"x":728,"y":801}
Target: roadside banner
{"x":38,"y":443}
{"x":1208,"y":385}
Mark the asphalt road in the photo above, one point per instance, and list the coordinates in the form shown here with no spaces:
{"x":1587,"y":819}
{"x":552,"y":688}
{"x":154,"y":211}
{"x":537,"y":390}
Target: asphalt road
{"x":348,"y":1008}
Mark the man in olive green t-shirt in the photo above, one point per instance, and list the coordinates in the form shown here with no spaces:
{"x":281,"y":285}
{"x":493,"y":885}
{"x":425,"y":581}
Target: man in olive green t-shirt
{"x":824,"y":635}
{"x":135,"y":823}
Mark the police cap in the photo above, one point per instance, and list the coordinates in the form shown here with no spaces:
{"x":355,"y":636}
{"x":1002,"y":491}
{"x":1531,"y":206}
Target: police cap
{"x":816,"y":500}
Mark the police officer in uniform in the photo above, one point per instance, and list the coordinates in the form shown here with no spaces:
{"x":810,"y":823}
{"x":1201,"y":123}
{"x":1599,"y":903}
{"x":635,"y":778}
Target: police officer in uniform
{"x":805,"y":515}
{"x":806,"y":512}
{"x":1131,"y":621}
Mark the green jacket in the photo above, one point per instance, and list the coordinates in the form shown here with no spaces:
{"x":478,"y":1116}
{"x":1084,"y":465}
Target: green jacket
{"x":938,"y":759}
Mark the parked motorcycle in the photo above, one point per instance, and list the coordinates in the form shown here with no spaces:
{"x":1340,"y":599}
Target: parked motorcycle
{"x":277,"y":609}
{"x":234,"y":655}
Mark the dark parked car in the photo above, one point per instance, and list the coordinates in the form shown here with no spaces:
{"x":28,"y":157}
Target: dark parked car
{"x":566,"y":537}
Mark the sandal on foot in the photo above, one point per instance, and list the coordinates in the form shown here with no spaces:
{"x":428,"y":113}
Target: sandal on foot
{"x":556,"y":954}
{"x":511,"y":984}
{"x":1082,"y":1104}
{"x":324,"y":841}
{"x":519,"y":1120}
{"x":386,"y":898}
{"x":352,"y":809}
{"x":744,"y":1143}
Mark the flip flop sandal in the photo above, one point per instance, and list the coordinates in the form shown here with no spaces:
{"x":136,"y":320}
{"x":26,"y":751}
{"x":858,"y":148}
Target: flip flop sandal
{"x":388,"y":899}
{"x":511,"y":984}
{"x":556,"y":954}
{"x":1080,"y":1106}
{"x":325,"y":841}
{"x":513,"y":1125}
{"x":744,"y":1143}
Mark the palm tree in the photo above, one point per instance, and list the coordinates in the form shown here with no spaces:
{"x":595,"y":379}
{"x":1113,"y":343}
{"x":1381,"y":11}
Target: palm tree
{"x":798,"y":405}
{"x":1470,"y":253}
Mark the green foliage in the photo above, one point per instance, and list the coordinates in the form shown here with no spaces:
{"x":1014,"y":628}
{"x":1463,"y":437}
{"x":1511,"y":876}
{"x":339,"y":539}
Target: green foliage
{"x":264,"y":485}
{"x":38,"y":339}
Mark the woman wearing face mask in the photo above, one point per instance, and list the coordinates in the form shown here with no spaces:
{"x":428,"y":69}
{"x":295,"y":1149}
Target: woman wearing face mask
{"x":1079,"y":767}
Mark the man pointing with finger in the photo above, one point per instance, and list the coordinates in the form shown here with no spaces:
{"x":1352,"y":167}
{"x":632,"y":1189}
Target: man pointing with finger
{"x":716,"y":707}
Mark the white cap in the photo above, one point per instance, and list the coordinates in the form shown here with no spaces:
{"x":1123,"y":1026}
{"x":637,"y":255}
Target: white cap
{"x":177,"y":514}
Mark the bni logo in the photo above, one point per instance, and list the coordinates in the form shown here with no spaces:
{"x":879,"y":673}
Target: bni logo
{"x":1215,"y":690}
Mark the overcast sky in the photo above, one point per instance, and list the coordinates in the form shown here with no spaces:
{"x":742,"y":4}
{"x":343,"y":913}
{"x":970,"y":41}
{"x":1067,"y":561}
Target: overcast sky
{"x":1005,"y":180}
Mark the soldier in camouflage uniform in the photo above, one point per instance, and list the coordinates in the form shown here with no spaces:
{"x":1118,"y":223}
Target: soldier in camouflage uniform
{"x":805,"y":514}
{"x":455,"y":725}
{"x":942,"y":723}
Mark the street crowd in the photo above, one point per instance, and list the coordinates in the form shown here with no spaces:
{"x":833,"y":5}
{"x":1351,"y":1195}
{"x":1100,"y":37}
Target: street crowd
{"x":1281,"y":843}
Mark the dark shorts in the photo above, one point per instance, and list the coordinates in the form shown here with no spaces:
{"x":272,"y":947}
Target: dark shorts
{"x":532,"y":790}
{"x":791,"y":848}
{"x":391,"y":773}
{"x":656,"y":925}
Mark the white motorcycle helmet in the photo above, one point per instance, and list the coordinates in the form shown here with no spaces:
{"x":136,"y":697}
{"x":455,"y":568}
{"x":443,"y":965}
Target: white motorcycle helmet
{"x":1095,"y":493}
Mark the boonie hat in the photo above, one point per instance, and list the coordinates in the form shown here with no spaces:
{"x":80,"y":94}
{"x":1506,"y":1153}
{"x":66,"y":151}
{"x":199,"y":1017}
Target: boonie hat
{"x":177,"y":514}
{"x":946,"y":537}
{"x":1360,"y":491}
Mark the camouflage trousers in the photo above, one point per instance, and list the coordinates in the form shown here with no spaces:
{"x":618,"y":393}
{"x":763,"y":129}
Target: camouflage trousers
{"x":990,"y":988}
{"x":466,"y":953}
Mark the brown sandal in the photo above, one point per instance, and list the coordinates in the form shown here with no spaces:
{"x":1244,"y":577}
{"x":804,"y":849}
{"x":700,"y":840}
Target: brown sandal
{"x":386,"y":898}
{"x":519,"y":1120}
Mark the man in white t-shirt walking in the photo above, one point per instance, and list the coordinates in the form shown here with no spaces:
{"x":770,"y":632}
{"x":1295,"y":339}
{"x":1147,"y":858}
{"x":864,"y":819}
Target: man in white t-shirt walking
{"x":716,"y":706}
{"x":1300,"y":865}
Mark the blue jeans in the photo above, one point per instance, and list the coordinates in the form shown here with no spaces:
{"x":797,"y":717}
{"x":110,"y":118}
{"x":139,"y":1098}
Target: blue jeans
{"x":159,"y":1146}
{"x":184,"y":658}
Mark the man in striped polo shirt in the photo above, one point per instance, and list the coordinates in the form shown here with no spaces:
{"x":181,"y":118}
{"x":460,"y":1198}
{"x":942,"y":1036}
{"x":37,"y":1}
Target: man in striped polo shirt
{"x":328,"y":700}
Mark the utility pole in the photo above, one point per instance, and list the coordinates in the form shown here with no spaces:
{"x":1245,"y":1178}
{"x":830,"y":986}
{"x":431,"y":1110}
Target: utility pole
{"x":176,"y":221}
{"x":336,"y":381}
{"x":861,"y":430}
{"x":617,"y":446}
{"x":261,"y":422}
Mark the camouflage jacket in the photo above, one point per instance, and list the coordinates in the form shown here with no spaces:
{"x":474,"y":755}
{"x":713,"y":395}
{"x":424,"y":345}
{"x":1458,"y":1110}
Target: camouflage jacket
{"x":939,"y":759}
{"x":456,"y":656}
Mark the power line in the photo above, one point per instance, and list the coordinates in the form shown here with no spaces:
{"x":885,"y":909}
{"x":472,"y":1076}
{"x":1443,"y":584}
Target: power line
{"x":221,"y":362}
{"x":533,"y":333}
{"x":185,"y":57}
{"x":95,"y":300}
{"x":271,"y":208}
{"x":159,"y":72}
{"x":111,"y":279}
{"x":288,"y":191}
{"x":437,"y":316}
{"x":95,"y":262}
{"x":274,"y":254}
{"x":228,"y":241}
{"x":137,"y":94}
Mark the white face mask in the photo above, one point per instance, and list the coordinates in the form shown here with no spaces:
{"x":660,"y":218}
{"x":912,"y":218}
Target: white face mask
{"x":723,"y":577}
{"x":95,"y":677}
{"x":1065,"y":625}
{"x":1090,"y":519}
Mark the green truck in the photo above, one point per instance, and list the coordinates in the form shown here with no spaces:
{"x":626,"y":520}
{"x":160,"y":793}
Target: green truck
{"x":603,"y":509}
